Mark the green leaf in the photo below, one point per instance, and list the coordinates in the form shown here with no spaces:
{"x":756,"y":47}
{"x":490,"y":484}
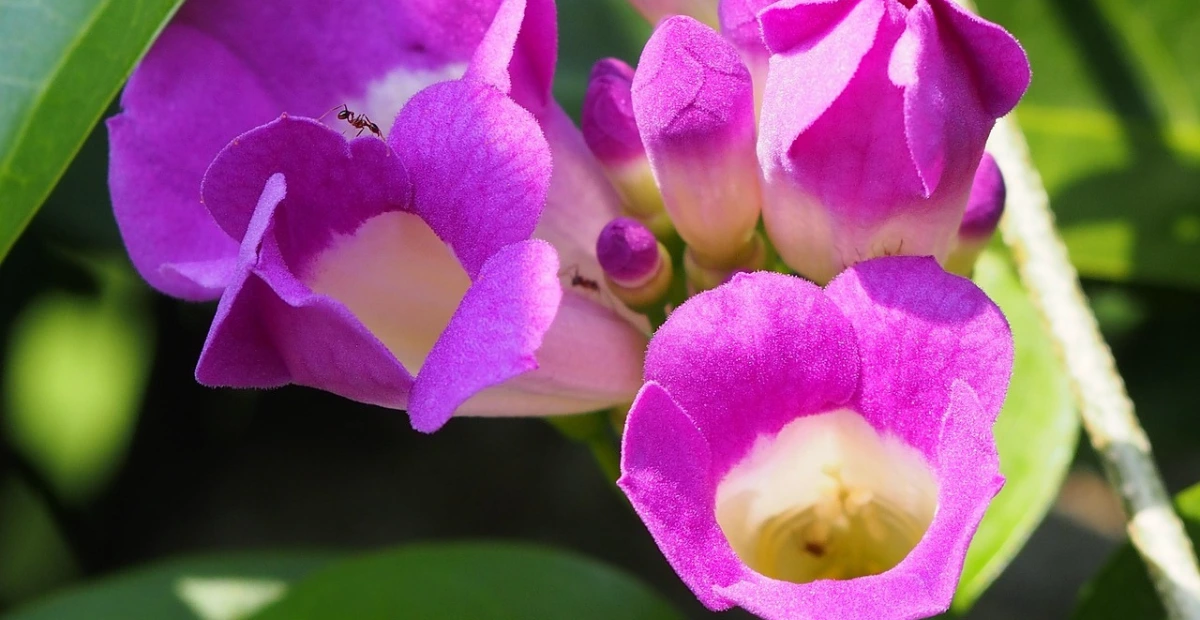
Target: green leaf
{"x":1036,"y":435}
{"x":1113,"y":123}
{"x":78,"y":367}
{"x":1123,"y":589}
{"x":34,"y":556}
{"x":61,"y":62}
{"x":469,"y":580}
{"x":154,"y":591}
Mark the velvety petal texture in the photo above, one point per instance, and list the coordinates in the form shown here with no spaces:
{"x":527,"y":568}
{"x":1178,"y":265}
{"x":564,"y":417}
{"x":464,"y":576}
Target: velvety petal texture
{"x":874,"y":118}
{"x":924,"y":360}
{"x":693,"y":100}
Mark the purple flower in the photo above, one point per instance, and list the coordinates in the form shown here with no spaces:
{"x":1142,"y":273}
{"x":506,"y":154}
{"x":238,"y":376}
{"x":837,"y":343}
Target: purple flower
{"x":874,"y":117}
{"x":809,"y":453}
{"x":400,"y":273}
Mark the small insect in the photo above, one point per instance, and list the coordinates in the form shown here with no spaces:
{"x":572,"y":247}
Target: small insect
{"x":579,"y":281}
{"x":359,"y":121}
{"x":582,"y":282}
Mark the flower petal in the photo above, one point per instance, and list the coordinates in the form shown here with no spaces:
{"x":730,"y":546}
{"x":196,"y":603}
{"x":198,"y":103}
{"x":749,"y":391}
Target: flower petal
{"x":270,"y":329}
{"x":665,"y":472}
{"x":919,"y":329}
{"x":157,"y":159}
{"x":752,"y":355}
{"x":494,"y":333}
{"x":518,"y":52}
{"x":479,"y":164}
{"x":334,"y":185}
{"x":807,"y":75}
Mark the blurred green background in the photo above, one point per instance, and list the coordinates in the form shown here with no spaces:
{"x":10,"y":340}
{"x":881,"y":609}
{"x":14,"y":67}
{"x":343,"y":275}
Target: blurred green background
{"x":112,"y":456}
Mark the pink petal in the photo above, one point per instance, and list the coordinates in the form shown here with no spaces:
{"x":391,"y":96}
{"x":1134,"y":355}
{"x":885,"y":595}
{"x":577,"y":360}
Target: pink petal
{"x":494,"y":333}
{"x":919,"y":329}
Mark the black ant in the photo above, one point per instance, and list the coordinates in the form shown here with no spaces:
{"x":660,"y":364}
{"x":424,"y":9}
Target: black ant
{"x":582,"y":282}
{"x":358,"y":121}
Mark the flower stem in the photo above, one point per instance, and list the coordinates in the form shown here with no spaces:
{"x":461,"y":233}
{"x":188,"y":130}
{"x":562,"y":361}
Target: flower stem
{"x":1107,"y":411}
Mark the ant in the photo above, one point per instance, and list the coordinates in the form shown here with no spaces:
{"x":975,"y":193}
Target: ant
{"x":582,"y":282}
{"x":358,"y":121}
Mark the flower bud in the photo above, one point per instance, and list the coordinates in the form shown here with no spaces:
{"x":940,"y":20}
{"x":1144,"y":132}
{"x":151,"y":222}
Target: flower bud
{"x":636,"y":266}
{"x":612,"y":135}
{"x":984,"y":208}
{"x":694,"y":104}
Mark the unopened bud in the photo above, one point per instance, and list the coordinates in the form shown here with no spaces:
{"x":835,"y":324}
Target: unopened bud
{"x":636,"y":266}
{"x":982,"y":216}
{"x":612,"y":135}
{"x":694,"y":103}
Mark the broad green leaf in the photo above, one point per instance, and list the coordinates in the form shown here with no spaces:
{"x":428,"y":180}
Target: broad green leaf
{"x":1113,"y":122}
{"x":469,"y":580}
{"x":1123,"y":589}
{"x":154,"y":591}
{"x":1035,"y":434}
{"x":77,"y":369}
{"x":61,"y":62}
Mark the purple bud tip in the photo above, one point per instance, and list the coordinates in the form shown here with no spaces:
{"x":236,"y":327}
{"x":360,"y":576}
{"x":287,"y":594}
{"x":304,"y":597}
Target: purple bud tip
{"x":986,"y":204}
{"x":691,"y":85}
{"x":607,"y":117}
{"x":628,"y":251}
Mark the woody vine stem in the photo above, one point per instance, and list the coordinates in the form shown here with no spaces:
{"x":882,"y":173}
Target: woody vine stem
{"x":1107,"y":411}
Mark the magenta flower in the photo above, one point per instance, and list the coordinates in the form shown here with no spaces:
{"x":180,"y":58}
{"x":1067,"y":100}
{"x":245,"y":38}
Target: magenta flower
{"x":809,"y":453}
{"x":400,"y":273}
{"x":871,"y":119}
{"x":874,"y":117}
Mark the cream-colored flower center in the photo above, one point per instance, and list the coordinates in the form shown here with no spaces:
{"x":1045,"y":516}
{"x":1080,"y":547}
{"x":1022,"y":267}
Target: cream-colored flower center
{"x":398,"y":278}
{"x":826,"y":498}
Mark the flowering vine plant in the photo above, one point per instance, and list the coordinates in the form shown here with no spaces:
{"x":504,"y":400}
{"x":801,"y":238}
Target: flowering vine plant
{"x":741,"y":272}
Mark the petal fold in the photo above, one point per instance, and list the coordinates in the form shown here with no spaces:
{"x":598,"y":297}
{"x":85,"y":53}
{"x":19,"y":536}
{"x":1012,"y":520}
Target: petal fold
{"x":494,"y":333}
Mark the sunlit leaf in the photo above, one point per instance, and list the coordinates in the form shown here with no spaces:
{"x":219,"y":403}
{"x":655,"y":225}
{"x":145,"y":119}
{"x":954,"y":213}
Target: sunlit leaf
{"x":1123,"y":589}
{"x":152,"y":592}
{"x":1113,"y":123}
{"x":61,"y":62}
{"x":1036,"y":434}
{"x":469,"y":580}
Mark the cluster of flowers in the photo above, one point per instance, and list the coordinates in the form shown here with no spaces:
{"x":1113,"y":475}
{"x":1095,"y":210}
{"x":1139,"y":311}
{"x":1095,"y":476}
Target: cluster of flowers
{"x":797,"y":450}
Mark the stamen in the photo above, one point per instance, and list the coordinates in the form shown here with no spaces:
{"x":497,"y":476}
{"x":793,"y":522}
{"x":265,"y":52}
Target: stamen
{"x":826,"y":498}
